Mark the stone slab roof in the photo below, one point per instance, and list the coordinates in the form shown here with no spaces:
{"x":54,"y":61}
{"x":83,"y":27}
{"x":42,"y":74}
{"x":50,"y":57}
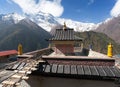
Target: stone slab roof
{"x":67,"y":34}
{"x":81,"y":70}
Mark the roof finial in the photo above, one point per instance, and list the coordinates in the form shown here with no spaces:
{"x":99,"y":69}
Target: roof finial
{"x":110,"y":50}
{"x":64,"y":26}
{"x":20,"y":49}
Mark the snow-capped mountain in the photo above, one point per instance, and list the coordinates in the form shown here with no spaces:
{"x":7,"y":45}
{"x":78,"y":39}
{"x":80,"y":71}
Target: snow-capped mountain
{"x":111,"y":27}
{"x":44,"y":20}
{"x":78,"y":26}
{"x":47,"y":21}
{"x":13,"y":17}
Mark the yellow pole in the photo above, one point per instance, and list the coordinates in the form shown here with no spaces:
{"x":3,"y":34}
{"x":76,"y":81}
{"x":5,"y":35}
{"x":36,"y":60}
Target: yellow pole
{"x":20,"y":49}
{"x":110,"y":50}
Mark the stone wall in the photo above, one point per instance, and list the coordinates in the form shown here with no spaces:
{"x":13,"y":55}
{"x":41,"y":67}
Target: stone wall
{"x":64,"y":48}
{"x":41,"y":81}
{"x":83,"y":62}
{"x":45,"y":51}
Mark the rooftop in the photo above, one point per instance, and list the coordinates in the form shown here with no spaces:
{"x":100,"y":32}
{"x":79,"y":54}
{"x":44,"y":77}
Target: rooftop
{"x":67,"y":34}
{"x":9,"y":52}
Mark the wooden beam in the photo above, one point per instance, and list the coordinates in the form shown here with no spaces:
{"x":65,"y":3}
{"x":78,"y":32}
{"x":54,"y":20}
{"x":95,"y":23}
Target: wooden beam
{"x":33,"y":69}
{"x":29,"y":72}
{"x":8,"y":82}
{"x":17,"y":84}
{"x":16,"y":76}
{"x":25,"y":77}
{"x":22,"y":71}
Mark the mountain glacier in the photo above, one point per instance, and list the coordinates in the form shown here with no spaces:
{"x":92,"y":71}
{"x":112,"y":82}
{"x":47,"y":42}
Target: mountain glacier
{"x":12,"y":17}
{"x":78,"y":26}
{"x":48,"y":21}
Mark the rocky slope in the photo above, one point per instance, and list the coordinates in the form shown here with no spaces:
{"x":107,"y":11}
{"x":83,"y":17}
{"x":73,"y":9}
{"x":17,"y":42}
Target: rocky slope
{"x":48,"y":21}
{"x":111,"y":28}
{"x":99,"y":42}
{"x":29,"y":34}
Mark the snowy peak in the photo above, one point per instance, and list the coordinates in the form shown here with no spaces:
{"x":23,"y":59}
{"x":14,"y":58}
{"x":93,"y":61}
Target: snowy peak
{"x":78,"y":26}
{"x":48,"y":21}
{"x":44,"y":20}
{"x":43,"y":17}
{"x":13,"y":17}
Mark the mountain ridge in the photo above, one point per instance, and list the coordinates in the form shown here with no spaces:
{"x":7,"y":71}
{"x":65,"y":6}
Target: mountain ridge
{"x":47,"y":21}
{"x":111,"y":28}
{"x":99,"y":41}
{"x":32,"y":37}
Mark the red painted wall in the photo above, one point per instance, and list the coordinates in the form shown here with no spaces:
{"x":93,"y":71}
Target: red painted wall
{"x":64,"y":48}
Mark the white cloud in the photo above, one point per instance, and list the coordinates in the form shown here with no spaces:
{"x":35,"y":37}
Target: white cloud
{"x":116,"y":9}
{"x":53,"y":7}
{"x":91,"y":2}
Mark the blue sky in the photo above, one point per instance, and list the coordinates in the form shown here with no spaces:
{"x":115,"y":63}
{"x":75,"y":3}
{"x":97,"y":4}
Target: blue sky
{"x":94,"y":11}
{"x":88,"y":11}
